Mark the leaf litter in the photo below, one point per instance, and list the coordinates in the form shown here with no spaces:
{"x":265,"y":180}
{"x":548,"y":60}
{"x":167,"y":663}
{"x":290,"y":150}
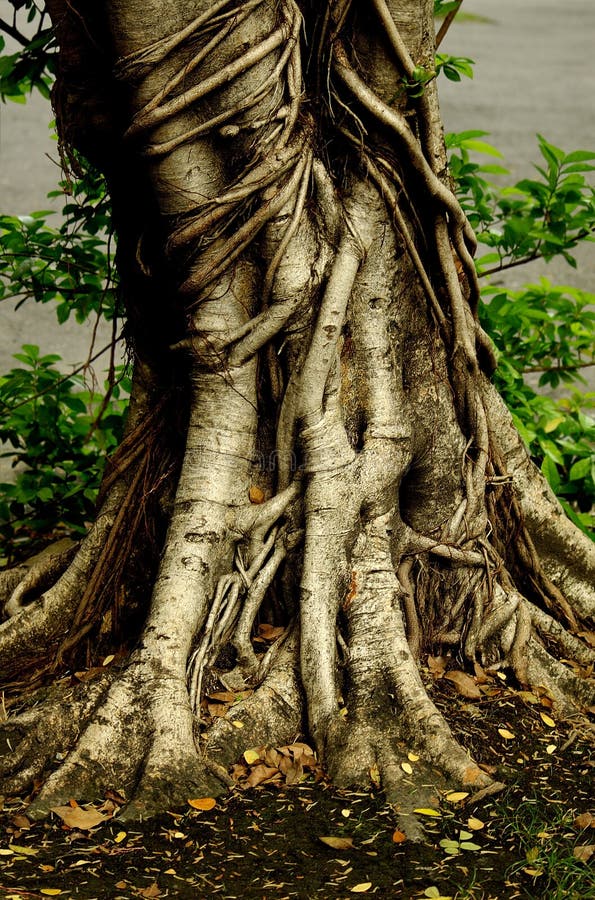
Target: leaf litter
{"x":284,"y":832}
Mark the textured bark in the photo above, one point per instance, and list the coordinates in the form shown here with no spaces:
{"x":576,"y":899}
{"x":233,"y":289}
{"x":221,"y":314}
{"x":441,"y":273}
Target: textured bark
{"x":314,"y":421}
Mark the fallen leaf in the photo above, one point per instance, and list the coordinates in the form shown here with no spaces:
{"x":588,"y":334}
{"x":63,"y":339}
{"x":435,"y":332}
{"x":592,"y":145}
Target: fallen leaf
{"x":5,"y":852}
{"x":423,"y":811}
{"x":528,"y":696}
{"x":108,"y":660}
{"x":21,"y":822}
{"x":170,"y":872}
{"x":584,"y":854}
{"x":121,"y":885}
{"x":338,"y":843}
{"x":270,"y":632}
{"x":255,"y":494}
{"x":50,"y":892}
{"x":507,"y":735}
{"x":151,"y":891}
{"x":375,"y":775}
{"x":407,"y":768}
{"x":399,"y":836}
{"x":550,"y":749}
{"x":456,"y":796}
{"x":237,"y":724}
{"x":547,"y":720}
{"x":464,"y":684}
{"x":531,"y":871}
{"x":585,"y":820}
{"x":475,"y":824}
{"x":119,"y":837}
{"x":437,"y":665}
{"x":413,"y":757}
{"x":24,"y":851}
{"x":345,"y":813}
{"x":361,"y":888}
{"x":261,"y":774}
{"x":203,"y":803}
{"x":77,"y":817}
{"x":251,"y":756}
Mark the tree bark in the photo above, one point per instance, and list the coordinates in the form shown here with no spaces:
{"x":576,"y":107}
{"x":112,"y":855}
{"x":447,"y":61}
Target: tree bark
{"x":302,"y":302}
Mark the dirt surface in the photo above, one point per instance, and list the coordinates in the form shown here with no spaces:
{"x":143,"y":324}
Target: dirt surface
{"x":535,"y":839}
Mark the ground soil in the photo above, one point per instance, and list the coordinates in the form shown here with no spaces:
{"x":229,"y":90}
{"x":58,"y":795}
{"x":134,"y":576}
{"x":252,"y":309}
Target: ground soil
{"x":532,"y":840}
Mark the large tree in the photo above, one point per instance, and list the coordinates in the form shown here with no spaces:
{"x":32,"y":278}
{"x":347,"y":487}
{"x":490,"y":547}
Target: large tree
{"x":313,"y":440}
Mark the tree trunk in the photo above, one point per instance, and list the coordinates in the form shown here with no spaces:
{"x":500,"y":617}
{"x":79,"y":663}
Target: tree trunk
{"x":313,"y":442}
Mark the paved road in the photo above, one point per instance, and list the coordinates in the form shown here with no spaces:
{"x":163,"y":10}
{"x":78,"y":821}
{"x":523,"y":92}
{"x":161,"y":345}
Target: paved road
{"x":535,"y":72}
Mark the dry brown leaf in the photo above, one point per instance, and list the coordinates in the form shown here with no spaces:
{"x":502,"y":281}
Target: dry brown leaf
{"x":255,"y":494}
{"x":217,"y":710}
{"x":399,"y":836}
{"x":584,"y":854}
{"x":260,"y":774}
{"x":203,"y":803}
{"x":270,"y":632}
{"x":437,"y":665}
{"x":506,"y":734}
{"x":151,"y":891}
{"x":585,"y":820}
{"x":77,"y":817}
{"x":464,"y":684}
{"x":338,"y":843}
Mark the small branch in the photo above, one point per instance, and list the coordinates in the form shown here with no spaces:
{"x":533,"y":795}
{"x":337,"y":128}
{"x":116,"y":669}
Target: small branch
{"x":448,"y":20}
{"x":14,"y":33}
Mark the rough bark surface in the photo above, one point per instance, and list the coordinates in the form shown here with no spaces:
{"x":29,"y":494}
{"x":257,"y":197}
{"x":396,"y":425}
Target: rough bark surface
{"x":313,"y":443}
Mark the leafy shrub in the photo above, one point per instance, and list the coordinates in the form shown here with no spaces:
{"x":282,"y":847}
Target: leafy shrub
{"x":59,"y":433}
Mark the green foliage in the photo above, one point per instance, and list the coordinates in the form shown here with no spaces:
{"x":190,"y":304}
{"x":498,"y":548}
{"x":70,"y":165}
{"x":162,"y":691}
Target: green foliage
{"x":59,"y":433}
{"x":33,"y":66}
{"x":545,"y":216}
{"x":543,"y":333}
{"x":70,"y":264}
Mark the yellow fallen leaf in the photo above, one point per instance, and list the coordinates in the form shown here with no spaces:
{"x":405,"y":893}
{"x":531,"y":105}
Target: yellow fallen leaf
{"x":547,"y":720}
{"x":51,"y":892}
{"x":5,"y":852}
{"x":78,"y":817}
{"x":203,"y":803}
{"x":407,"y":768}
{"x":413,"y":757}
{"x":251,"y":756}
{"x":237,"y":724}
{"x":361,"y":888}
{"x":455,"y":796}
{"x":119,"y":837}
{"x":475,"y":824}
{"x":550,"y":749}
{"x":170,"y":872}
{"x":24,"y":851}
{"x":345,"y":813}
{"x":108,"y":660}
{"x":531,"y":871}
{"x":507,"y":735}
{"x":375,"y":775}
{"x":423,"y":811}
{"x":255,"y":494}
{"x":338,"y":843}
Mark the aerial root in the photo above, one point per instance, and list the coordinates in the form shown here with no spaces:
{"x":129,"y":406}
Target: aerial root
{"x":40,"y":573}
{"x":31,"y":741}
{"x":271,"y":716}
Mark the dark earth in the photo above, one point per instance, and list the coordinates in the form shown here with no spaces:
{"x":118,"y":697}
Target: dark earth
{"x":534,"y":839}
